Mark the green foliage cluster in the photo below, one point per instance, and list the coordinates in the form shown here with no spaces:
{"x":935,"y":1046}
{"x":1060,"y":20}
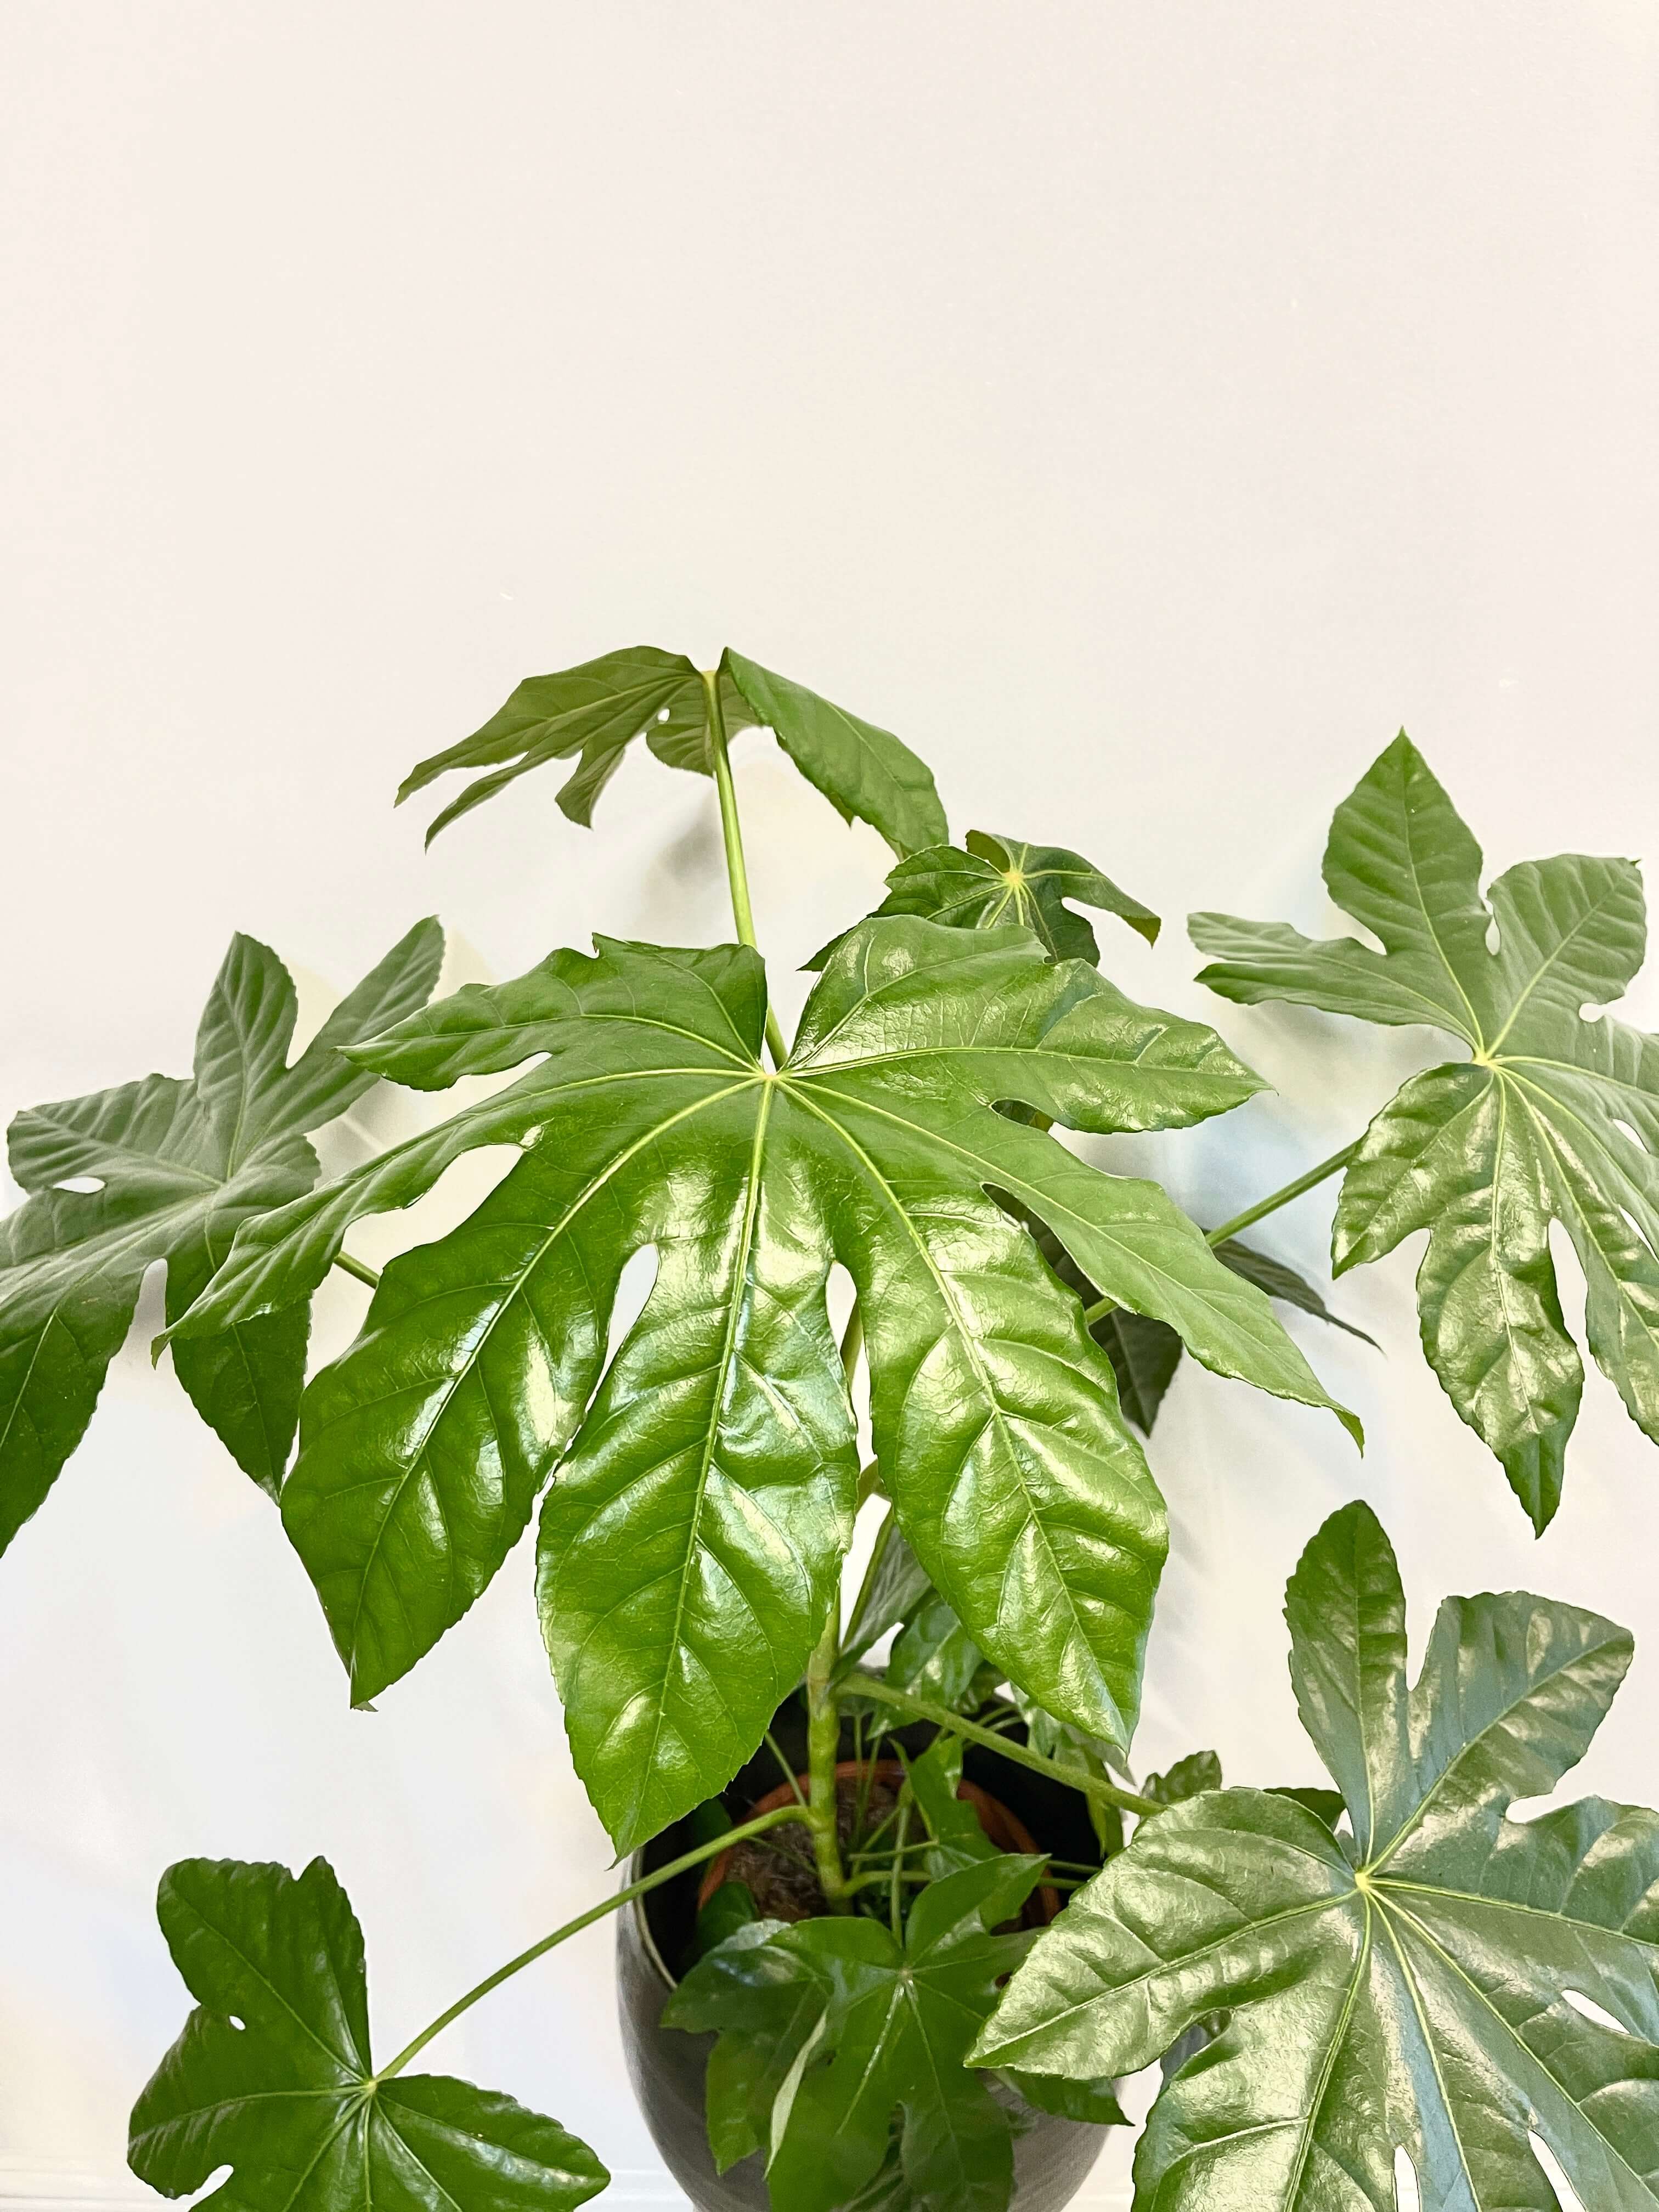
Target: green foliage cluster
{"x":1393,"y":1972}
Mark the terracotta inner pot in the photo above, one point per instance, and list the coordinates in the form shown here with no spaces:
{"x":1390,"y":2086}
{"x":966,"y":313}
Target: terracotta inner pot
{"x":1001,"y":1826}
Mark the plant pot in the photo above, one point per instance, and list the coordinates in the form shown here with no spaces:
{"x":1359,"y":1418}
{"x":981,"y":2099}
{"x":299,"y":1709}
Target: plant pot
{"x":1004,"y":1829}
{"x":1053,"y":2157}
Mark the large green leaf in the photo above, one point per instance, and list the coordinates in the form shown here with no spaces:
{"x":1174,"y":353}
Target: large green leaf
{"x":999,"y":881}
{"x":592,"y":713}
{"x":829,"y":2026}
{"x":1445,"y":1981}
{"x":272,"y":2076}
{"x":690,"y":1548}
{"x":165,"y":1169}
{"x":1553,"y":1116}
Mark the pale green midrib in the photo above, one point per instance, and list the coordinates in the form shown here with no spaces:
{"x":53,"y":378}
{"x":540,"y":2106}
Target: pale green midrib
{"x":1520,"y":2043}
{"x":1429,"y":2044}
{"x":1019,"y":1185}
{"x":1540,"y":1123}
{"x":108,"y":1247}
{"x":1443,"y":1133}
{"x":970,"y":1344}
{"x":1441,"y":1017}
{"x":1391,"y":1883}
{"x":1533,"y":1686}
{"x":1535,"y":1426}
{"x":504,"y":1027}
{"x":353,"y":2067}
{"x":1335,"y":1901}
{"x":1306,"y":2136}
{"x":379,"y":2117}
{"x":1429,"y":922}
{"x":735,"y":1305}
{"x":512,"y":1291}
{"x":1546,"y":964}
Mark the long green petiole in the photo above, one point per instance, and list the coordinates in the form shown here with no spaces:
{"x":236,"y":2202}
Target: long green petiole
{"x":872,"y":1686}
{"x":689,"y":1859}
{"x":742,"y":914}
{"x":1263,"y":1206}
{"x":348,"y":1266}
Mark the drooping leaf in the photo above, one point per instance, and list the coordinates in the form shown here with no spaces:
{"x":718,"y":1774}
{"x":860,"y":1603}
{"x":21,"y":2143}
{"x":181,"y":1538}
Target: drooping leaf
{"x":884,"y":2027}
{"x":1094,"y":2103}
{"x":593,"y":713}
{"x":1444,"y":1986}
{"x":1144,"y":1352}
{"x":1553,"y":1117}
{"x":716,"y":1455}
{"x":272,"y":2075}
{"x":933,"y":1654}
{"x":1001,"y":880}
{"x":167,"y":1170}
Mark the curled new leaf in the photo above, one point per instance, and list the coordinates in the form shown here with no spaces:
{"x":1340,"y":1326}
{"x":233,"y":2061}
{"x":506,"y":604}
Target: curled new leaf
{"x":1551,"y":1117}
{"x":272,"y":2075}
{"x":168,"y":1169}
{"x":716,"y":1453}
{"x":1444,"y":1979}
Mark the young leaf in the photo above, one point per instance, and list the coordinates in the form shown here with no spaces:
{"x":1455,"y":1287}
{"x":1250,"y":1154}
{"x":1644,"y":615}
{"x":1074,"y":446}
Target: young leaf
{"x":1000,"y":880}
{"x":1189,"y":1778}
{"x":1417,"y":1993}
{"x":592,"y":713}
{"x":954,"y":1825}
{"x":272,"y":2076}
{"x":934,"y":1655}
{"x":887,"y":2028}
{"x":1553,"y":1117}
{"x":176,"y":1168}
{"x":718,"y":1451}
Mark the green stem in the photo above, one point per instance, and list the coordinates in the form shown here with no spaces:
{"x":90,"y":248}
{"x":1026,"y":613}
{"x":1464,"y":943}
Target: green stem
{"x":347,"y":1265}
{"x":1271,"y":1203}
{"x":872,"y":1686}
{"x":708,"y":1851}
{"x":742,"y":914}
{"x":822,"y":1744}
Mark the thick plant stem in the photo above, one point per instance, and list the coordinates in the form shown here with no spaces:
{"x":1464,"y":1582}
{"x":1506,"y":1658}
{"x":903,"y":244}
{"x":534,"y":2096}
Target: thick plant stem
{"x":822,"y":1748}
{"x":1271,"y":1203}
{"x":348,"y":1266}
{"x":922,"y":1709}
{"x":742,"y":914}
{"x":622,"y":1897}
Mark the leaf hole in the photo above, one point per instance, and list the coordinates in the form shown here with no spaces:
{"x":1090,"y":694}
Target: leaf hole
{"x":662,"y":714}
{"x":83,"y":1186}
{"x":1493,"y":939}
{"x":1589,"y":1013}
{"x":634,"y":1287}
{"x":1588,"y":2009}
{"x":240,"y":2025}
{"x":1566,"y":2195}
{"x":1626,"y":1130}
{"x":1408,"y":2197}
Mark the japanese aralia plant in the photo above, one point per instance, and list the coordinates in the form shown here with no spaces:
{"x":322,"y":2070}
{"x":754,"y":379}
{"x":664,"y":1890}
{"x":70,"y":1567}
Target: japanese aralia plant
{"x":899,"y":1916}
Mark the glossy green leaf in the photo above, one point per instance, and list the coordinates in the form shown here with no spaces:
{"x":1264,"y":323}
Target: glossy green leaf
{"x":1002,"y":880}
{"x":1094,"y":2103}
{"x":866,"y":774}
{"x":592,"y":713}
{"x":1189,"y":1778}
{"x":1145,"y":1353}
{"x":167,"y":1170}
{"x":691,"y":1543}
{"x":272,"y":2075}
{"x":884,"y":2028}
{"x":935,"y":1779}
{"x":1553,"y":1116}
{"x":933,"y":1656}
{"x":1446,"y":1986}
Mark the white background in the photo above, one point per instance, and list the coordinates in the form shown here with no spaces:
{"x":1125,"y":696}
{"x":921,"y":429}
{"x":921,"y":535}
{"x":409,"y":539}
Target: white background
{"x":1144,"y":410}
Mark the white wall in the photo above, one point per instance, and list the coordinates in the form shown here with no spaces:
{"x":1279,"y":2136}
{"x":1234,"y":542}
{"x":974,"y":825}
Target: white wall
{"x":1144,"y":411}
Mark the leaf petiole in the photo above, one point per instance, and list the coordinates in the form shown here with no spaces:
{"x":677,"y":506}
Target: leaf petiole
{"x":872,"y":1686}
{"x":687,"y":1860}
{"x":742,"y":914}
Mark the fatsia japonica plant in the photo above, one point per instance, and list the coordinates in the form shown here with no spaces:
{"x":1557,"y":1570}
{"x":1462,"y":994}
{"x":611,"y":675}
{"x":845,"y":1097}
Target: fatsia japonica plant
{"x":899,"y":1916}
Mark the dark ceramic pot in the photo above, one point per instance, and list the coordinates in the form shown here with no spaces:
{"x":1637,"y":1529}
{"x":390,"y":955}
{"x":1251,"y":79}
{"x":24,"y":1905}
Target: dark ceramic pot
{"x":1052,"y":2158}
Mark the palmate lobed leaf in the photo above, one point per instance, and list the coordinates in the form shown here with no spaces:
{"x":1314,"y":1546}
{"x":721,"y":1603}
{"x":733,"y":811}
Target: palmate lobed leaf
{"x":999,"y":882}
{"x":592,"y":713}
{"x":1410,"y":1985}
{"x":177,"y":1167}
{"x":1553,"y":1117}
{"x":706,"y":1476}
{"x":829,"y":2028}
{"x":272,"y":2076}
